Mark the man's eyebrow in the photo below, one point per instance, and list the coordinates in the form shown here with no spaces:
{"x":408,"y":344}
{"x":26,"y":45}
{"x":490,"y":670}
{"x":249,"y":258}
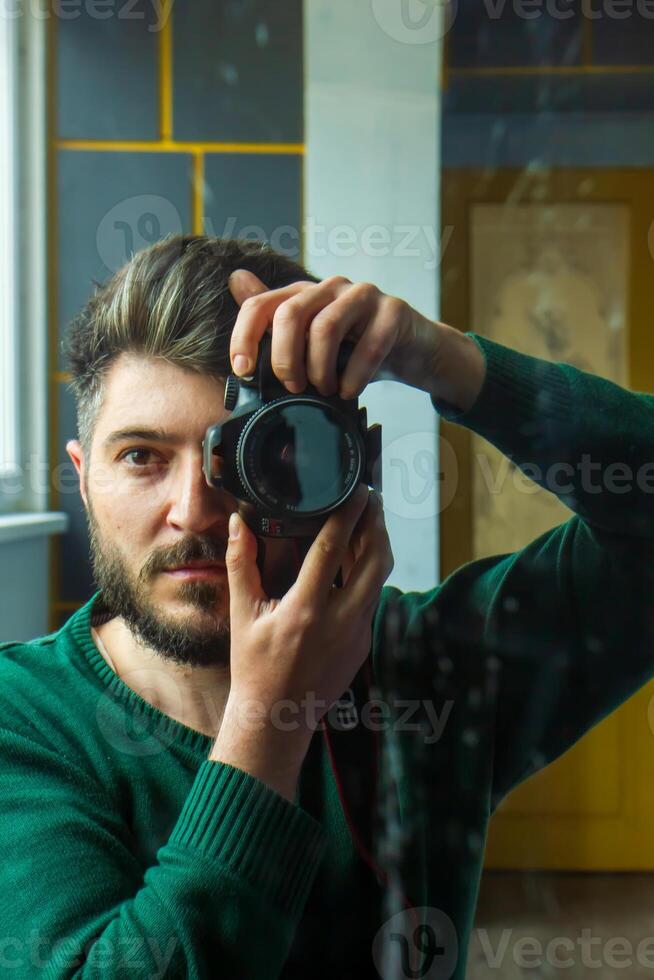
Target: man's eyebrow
{"x":151,"y":435}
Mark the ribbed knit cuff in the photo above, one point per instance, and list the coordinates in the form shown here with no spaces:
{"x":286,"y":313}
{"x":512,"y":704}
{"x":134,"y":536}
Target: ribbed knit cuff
{"x":234,"y":818}
{"x":515,"y":384}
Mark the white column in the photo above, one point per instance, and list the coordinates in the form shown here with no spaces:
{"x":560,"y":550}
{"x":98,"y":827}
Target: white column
{"x":371,"y":213}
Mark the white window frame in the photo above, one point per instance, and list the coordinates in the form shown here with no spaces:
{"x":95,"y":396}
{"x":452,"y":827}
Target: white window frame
{"x":24,"y":481}
{"x":9,"y":333}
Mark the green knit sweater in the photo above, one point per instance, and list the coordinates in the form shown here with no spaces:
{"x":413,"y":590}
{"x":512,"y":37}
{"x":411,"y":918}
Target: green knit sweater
{"x":124,"y":853}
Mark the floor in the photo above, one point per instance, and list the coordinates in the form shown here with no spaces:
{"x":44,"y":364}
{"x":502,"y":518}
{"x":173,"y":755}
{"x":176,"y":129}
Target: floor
{"x":568,"y":926}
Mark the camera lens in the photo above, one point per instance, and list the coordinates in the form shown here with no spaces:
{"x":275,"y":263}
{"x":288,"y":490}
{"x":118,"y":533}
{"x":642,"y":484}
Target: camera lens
{"x":299,"y":456}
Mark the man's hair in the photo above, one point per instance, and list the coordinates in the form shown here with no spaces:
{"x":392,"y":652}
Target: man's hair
{"x":170,"y":300}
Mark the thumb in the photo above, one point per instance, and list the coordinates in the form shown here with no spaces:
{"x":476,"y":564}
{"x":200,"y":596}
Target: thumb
{"x":243,"y":283}
{"x":243,"y":574}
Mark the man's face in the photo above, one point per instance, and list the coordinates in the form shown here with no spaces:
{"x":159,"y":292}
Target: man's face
{"x":149,"y":508}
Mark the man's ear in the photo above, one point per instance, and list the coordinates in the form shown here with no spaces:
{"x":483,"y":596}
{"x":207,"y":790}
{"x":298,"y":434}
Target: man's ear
{"x":76,"y":453}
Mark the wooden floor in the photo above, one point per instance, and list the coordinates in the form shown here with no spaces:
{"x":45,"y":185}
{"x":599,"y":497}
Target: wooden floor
{"x":566,"y":926}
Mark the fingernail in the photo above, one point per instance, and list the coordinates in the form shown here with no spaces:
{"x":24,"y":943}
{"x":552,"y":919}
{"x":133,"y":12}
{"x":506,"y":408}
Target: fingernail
{"x":241,"y":364}
{"x":234,"y":526}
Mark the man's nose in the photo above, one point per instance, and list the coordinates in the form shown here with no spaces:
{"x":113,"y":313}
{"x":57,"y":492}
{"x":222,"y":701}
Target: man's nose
{"x":194,"y":505}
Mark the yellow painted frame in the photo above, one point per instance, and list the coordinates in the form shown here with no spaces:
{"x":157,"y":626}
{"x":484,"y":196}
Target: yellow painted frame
{"x":622,"y":840}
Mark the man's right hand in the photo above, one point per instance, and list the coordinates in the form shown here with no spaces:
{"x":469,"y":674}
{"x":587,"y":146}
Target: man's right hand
{"x":292,"y":658}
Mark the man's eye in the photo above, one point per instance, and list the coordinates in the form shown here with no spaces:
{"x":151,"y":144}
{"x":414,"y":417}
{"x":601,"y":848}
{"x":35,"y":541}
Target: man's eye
{"x":136,"y":452}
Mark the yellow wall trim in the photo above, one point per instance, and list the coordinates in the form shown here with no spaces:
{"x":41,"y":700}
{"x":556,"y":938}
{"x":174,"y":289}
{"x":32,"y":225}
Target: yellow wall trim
{"x":197,"y":194}
{"x":166,"y":74}
{"x":556,"y":70}
{"x":177,"y":146}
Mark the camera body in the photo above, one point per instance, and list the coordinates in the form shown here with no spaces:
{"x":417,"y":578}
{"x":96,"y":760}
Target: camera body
{"x":290,"y":460}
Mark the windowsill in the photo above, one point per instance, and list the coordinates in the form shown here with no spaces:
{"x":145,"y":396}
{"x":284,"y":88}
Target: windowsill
{"x":16,"y":527}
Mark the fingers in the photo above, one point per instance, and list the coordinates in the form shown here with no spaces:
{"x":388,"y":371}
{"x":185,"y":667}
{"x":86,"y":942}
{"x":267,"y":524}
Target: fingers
{"x":327,"y":552}
{"x":390,"y":319}
{"x":308,"y":323}
{"x":243,"y":284}
{"x":372,"y":565}
{"x":307,"y":331}
{"x":243,"y":576}
{"x":255,"y":315}
{"x":347,"y":314}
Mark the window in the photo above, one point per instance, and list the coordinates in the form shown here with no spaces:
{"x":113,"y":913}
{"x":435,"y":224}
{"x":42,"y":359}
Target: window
{"x":9,"y":331}
{"x":24,"y":485}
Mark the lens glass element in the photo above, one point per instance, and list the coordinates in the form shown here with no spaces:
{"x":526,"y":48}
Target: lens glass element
{"x":300,"y":457}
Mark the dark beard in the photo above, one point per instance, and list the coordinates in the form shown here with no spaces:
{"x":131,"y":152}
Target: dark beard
{"x":179,"y":642}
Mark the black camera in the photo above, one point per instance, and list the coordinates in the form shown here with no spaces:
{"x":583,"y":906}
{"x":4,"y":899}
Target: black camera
{"x":290,"y":460}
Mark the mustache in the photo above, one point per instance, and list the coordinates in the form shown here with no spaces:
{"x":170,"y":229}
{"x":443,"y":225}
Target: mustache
{"x":186,"y":551}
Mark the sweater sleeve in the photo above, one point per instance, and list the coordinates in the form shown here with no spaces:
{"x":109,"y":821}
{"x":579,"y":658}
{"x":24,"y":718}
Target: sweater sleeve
{"x":582,"y":437}
{"x":223,"y":900}
{"x":550,"y":639}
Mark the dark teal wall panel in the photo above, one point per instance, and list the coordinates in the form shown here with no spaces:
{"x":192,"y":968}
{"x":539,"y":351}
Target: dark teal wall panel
{"x":630,"y":92}
{"x":255,"y":195}
{"x":629,"y":41}
{"x":109,"y":205}
{"x":569,"y":139}
{"x":238,"y":74}
{"x":107,"y":72}
{"x":492,"y":33}
{"x":75,"y":575}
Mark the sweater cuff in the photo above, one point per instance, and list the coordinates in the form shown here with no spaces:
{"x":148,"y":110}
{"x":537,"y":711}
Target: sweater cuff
{"x":234,"y":818}
{"x":514,"y":384}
